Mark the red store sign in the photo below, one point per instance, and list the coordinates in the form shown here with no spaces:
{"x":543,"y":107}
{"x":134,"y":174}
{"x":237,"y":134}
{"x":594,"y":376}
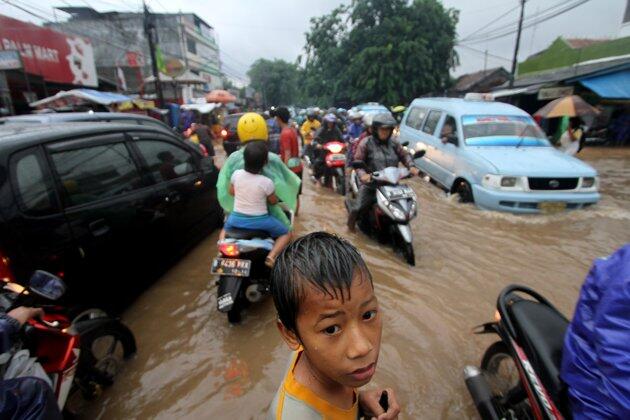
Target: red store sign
{"x":53,"y":55}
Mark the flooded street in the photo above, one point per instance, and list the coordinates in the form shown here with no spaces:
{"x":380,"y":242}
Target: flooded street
{"x":192,"y":364}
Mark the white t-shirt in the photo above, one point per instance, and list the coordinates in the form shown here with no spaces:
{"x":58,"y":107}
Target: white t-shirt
{"x":251,"y":192}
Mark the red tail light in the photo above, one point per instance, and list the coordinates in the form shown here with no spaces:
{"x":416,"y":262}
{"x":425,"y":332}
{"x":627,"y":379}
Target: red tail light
{"x":224,"y":133}
{"x":5,"y":270}
{"x":229,"y":250}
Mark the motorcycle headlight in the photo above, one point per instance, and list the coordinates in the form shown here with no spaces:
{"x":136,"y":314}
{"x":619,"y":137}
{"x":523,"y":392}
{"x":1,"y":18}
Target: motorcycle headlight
{"x":398,"y":214}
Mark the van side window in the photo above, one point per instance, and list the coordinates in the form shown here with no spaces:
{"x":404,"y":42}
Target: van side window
{"x":431,"y":122}
{"x":416,"y":117}
{"x":166,"y":161}
{"x":34,"y":188}
{"x":94,"y":173}
{"x":449,"y":130}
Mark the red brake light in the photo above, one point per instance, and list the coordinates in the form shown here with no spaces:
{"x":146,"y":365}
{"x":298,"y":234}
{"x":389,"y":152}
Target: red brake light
{"x":5,"y":270}
{"x":229,"y":250}
{"x":224,"y":133}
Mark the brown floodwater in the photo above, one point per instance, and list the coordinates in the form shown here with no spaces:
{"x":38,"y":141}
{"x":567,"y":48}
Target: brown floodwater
{"x":192,"y":364}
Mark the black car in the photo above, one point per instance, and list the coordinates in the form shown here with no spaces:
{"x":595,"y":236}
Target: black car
{"x":65,"y":117}
{"x":100,"y":204}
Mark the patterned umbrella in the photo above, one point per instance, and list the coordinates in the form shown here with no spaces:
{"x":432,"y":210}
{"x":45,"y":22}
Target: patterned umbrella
{"x":569,"y":106}
{"x":222,"y":96}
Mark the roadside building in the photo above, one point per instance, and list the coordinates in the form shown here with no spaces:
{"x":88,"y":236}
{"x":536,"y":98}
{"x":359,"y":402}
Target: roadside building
{"x":481,"y":81}
{"x":122,"y":51}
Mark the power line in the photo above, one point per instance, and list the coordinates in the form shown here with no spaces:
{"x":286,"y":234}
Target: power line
{"x":495,"y":20}
{"x":498,"y":57}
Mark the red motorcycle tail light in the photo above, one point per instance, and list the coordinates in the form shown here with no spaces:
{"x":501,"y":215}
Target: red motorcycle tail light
{"x":5,"y":270}
{"x":229,"y":250}
{"x":224,"y":133}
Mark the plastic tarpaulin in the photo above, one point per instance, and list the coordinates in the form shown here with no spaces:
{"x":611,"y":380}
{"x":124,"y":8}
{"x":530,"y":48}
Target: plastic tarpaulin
{"x":286,"y":182}
{"x":610,"y":86}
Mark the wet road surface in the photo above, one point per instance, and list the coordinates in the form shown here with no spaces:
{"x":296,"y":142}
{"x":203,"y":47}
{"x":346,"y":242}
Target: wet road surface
{"x":192,"y":364}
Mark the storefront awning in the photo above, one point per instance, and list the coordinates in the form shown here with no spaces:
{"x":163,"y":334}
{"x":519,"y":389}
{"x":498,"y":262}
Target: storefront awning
{"x":610,"y":86}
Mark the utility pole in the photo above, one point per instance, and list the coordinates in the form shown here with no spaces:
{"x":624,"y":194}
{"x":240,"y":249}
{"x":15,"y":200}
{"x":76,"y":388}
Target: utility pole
{"x":518,"y":41}
{"x":149,"y":31}
{"x":485,"y":61}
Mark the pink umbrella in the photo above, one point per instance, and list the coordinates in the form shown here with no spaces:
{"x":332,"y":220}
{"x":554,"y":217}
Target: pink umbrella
{"x":219,"y":95}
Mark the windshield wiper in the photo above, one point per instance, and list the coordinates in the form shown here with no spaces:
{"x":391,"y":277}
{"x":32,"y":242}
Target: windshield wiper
{"x":522,"y":137}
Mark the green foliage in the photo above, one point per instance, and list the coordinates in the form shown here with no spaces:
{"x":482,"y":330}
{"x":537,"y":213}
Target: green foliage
{"x":389,"y":51}
{"x":276,"y":80}
{"x":559,"y":54}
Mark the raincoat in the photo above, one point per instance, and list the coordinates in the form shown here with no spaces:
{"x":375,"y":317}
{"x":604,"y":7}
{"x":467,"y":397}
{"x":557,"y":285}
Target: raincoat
{"x":596,"y":355}
{"x":285,"y":181}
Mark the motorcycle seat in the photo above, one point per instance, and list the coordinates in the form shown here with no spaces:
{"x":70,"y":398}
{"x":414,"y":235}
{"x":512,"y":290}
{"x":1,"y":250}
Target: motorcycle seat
{"x":542,"y":331}
{"x":246,"y":234}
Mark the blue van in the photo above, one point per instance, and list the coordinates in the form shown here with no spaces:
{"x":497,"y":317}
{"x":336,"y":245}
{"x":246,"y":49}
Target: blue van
{"x":495,"y":155}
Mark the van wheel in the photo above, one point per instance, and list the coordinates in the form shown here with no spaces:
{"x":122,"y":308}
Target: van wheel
{"x":465,"y":192}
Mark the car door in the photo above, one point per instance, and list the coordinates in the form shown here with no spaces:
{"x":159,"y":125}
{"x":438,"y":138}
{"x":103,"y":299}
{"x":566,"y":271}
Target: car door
{"x":109,"y":208}
{"x":448,"y":153}
{"x":429,"y":129}
{"x":187,"y":189}
{"x":35,"y":234}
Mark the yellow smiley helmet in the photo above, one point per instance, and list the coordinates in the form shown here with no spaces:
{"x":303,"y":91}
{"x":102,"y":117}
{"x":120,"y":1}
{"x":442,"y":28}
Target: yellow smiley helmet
{"x":252,"y":126}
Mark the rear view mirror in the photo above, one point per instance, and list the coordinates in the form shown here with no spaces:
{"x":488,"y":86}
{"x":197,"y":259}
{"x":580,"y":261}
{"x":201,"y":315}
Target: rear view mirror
{"x":47,"y":285}
{"x":358,"y":164}
{"x":419,"y":154}
{"x":404,"y":143}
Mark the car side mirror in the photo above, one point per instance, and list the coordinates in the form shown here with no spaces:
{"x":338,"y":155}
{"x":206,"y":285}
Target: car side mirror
{"x":419,"y":154}
{"x":359,"y":164}
{"x":47,"y":285}
{"x":404,"y":143}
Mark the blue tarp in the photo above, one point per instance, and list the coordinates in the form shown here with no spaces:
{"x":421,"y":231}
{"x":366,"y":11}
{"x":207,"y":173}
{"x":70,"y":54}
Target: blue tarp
{"x":610,"y":86}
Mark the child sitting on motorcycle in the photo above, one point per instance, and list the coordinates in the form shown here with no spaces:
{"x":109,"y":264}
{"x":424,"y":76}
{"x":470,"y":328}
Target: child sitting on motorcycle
{"x":329,"y":316}
{"x":252,"y":191}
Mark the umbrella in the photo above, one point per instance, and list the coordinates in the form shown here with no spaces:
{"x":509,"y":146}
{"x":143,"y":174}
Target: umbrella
{"x":219,"y":95}
{"x":569,"y":106}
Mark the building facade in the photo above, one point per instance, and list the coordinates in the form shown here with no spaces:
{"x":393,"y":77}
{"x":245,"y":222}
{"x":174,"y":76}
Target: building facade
{"x":122,"y":54}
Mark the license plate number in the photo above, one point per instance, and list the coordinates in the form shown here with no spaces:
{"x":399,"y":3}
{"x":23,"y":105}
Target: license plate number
{"x":338,"y":156}
{"x":549,"y":207}
{"x":231,"y":267}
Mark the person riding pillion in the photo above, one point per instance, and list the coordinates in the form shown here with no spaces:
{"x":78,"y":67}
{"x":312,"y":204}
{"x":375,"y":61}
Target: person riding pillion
{"x":252,"y":127}
{"x":378,"y":151}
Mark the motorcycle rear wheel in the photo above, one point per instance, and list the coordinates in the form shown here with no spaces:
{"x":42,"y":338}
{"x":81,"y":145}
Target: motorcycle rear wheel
{"x":500,"y":371}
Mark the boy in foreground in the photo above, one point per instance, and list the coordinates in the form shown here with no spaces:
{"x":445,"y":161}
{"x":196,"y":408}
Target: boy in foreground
{"x":328,"y":315}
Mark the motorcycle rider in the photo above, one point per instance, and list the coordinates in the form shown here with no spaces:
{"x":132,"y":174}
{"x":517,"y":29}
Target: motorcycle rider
{"x":308,"y":130}
{"x":356,"y":124}
{"x":378,"y":151}
{"x":327,"y":132}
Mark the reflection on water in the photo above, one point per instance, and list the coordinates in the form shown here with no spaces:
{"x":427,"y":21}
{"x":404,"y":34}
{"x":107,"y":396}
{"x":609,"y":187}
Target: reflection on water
{"x":192,"y":364}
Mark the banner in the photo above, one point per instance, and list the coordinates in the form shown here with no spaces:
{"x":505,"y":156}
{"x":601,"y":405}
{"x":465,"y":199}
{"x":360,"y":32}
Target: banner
{"x":55,"y":56}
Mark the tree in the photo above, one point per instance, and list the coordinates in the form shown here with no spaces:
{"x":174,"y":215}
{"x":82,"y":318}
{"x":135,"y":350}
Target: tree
{"x":276,"y":80}
{"x":389,"y":51}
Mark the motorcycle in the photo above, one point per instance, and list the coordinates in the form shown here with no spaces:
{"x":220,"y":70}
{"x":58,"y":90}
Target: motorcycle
{"x":244,"y":278}
{"x":396,"y":205}
{"x":333,"y":174}
{"x":77,"y":353}
{"x":520,"y":374}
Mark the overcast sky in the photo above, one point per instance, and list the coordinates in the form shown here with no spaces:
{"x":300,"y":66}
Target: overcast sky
{"x":250,"y":29}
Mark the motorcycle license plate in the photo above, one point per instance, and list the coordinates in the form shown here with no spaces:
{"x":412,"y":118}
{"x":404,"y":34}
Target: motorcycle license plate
{"x":550,"y":207}
{"x":231,"y":267}
{"x":337,"y":156}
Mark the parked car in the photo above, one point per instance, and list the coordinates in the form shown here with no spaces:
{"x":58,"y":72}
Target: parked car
{"x":63,"y":117}
{"x":495,"y":155}
{"x":231,"y":142}
{"x":100,"y":204}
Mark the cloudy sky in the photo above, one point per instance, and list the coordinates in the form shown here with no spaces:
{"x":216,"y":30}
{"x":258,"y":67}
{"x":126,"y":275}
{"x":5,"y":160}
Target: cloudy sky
{"x":250,"y":29}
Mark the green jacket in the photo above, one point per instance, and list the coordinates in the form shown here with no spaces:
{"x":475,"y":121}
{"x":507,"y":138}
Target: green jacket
{"x":286,"y":182}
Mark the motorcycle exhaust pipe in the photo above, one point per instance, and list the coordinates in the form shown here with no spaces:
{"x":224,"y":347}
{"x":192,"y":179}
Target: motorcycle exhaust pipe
{"x":480,"y":392}
{"x":255,"y":292}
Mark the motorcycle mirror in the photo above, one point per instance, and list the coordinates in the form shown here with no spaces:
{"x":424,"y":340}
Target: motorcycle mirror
{"x":47,"y":285}
{"x":404,"y":143}
{"x":358,"y":164}
{"x":419,"y":154}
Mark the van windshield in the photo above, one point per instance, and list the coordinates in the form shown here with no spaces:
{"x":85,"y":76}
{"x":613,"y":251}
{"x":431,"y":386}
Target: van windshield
{"x":502,"y":130}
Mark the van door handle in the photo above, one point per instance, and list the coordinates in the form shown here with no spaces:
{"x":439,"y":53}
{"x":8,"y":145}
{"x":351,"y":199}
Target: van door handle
{"x":99,"y":227}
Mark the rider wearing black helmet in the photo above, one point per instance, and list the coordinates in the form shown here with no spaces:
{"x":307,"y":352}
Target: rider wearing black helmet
{"x":377,"y":151}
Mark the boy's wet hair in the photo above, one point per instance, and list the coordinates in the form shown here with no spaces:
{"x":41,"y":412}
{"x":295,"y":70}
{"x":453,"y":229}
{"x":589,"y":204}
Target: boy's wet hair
{"x":255,"y":156}
{"x":326,"y":261}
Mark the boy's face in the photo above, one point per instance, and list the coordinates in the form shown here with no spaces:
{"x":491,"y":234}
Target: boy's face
{"x":341,"y":339}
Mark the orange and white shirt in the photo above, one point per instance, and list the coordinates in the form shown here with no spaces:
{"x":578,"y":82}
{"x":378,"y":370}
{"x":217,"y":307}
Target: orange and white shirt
{"x":294,"y":401}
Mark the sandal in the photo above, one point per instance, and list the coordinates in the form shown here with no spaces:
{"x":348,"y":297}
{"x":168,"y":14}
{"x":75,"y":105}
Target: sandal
{"x":270,"y":261}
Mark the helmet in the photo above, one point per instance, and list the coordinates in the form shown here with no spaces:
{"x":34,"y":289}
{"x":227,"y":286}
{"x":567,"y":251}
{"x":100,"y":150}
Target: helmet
{"x":367,"y":120}
{"x":311,"y":113}
{"x":398,"y":109}
{"x":342,"y":111}
{"x":383,"y":120}
{"x":330,"y":118}
{"x":251,"y":126}
{"x":332,"y":110}
{"x":355,"y":115}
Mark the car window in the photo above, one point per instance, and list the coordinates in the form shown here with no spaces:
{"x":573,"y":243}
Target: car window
{"x":502,"y":130}
{"x":449,"y":130}
{"x":416,"y":117}
{"x":165,"y":160}
{"x":97,"y":172}
{"x":431,"y":122}
{"x":33,"y":186}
